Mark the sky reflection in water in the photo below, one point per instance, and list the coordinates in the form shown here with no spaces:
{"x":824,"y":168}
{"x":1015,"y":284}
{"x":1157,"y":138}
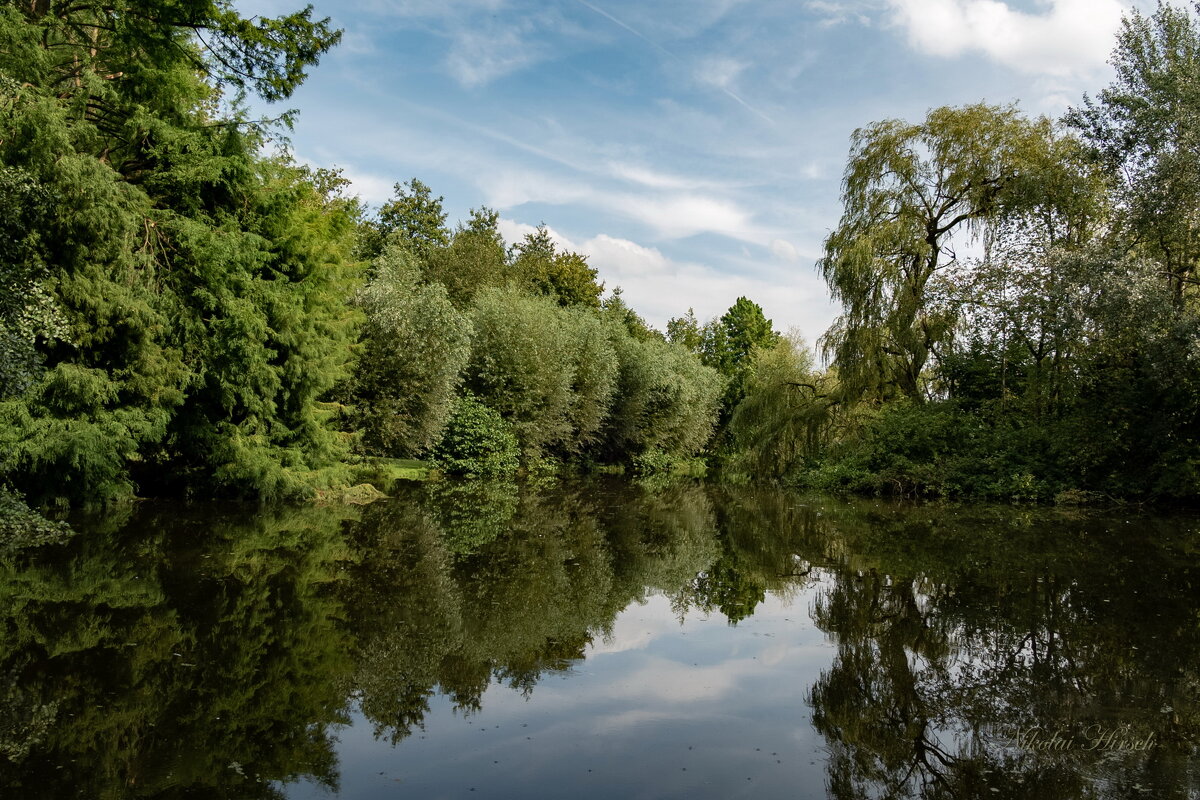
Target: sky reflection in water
{"x":657,"y":709}
{"x":486,"y":641}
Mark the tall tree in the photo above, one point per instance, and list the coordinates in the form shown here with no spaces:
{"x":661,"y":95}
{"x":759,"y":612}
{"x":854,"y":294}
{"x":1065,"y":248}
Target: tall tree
{"x":474,"y":259}
{"x":908,"y":190}
{"x":565,"y":276}
{"x":200,"y":285}
{"x":414,"y":345}
{"x":1144,"y":130}
{"x":686,"y":331}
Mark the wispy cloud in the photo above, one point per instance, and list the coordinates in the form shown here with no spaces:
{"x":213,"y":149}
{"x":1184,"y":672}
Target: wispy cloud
{"x":715,"y":72}
{"x":627,"y":27}
{"x":721,"y":73}
{"x":654,"y":179}
{"x":479,"y":56}
{"x":836,"y":12}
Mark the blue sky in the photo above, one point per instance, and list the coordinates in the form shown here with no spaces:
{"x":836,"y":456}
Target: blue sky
{"x":692,"y":149}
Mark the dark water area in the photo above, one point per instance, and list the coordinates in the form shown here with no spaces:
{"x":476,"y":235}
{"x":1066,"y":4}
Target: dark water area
{"x":604,"y":641}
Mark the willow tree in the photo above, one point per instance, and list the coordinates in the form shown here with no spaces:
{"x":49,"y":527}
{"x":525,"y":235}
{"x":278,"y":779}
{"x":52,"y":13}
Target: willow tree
{"x":910,"y":192}
{"x":413,"y":346}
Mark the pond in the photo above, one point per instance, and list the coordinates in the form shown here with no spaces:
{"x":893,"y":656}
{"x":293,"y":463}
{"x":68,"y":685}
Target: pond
{"x":603,"y":641}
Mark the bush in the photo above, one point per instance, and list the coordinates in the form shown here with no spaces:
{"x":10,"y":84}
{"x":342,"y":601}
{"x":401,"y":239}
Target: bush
{"x":477,"y":442}
{"x":22,"y":527}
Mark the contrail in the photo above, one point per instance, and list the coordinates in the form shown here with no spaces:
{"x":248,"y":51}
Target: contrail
{"x":748,"y":107}
{"x":671,"y":56}
{"x":616,"y":21}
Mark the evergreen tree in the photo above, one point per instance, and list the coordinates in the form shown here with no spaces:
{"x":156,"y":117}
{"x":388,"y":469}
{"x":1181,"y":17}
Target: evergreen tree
{"x":200,"y":286}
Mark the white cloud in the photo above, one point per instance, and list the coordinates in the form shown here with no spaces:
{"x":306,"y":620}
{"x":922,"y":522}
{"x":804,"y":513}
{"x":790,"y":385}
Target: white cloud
{"x":720,"y":71}
{"x":1071,"y":38}
{"x":514,"y":232}
{"x":622,"y":258}
{"x":663,"y":681}
{"x":371,"y":188}
{"x":682,"y":215}
{"x":644,"y":176}
{"x":670,"y":214}
{"x":833,"y":12}
{"x":784,"y":250}
{"x":478,"y":57}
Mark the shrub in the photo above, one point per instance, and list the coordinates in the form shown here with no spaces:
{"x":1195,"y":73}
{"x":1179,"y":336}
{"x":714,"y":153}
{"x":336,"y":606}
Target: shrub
{"x":477,"y":442}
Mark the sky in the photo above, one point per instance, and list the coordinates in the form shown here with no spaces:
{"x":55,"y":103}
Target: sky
{"x":691,"y":149}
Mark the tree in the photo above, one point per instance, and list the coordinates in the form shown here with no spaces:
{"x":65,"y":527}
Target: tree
{"x":908,"y":190}
{"x":473,"y":260}
{"x":565,"y":276}
{"x":27,"y":310}
{"x":1145,"y":133}
{"x":522,"y":365}
{"x":200,"y":286}
{"x":615,"y":308}
{"x":414,"y":218}
{"x":728,"y":345}
{"x":414,"y":345}
{"x":686,"y":331}
{"x":784,"y":418}
{"x":667,"y":402}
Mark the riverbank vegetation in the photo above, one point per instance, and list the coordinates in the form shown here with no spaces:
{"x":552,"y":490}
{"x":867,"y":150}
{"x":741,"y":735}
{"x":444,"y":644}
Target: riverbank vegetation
{"x":1060,"y":360}
{"x":186,"y":310}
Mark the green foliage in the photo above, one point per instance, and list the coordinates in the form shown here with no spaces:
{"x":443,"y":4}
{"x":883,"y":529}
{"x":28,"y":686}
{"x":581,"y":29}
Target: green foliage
{"x":522,"y":366}
{"x":413,"y":219}
{"x":594,"y":381}
{"x":538,"y":265}
{"x":728,"y":344}
{"x":21,"y":527}
{"x":616,"y":309}
{"x":27,"y":310}
{"x":414,"y":345}
{"x":188,"y":306}
{"x":686,"y":331}
{"x":1144,"y":133}
{"x":473,"y":260}
{"x":666,"y":402}
{"x":1064,"y":359}
{"x":908,"y":189}
{"x":550,"y":371}
{"x":785,"y":418}
{"x":941,"y":450}
{"x":477,"y":442}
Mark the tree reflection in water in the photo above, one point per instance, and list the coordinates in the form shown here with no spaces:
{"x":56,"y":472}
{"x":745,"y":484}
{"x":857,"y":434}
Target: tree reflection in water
{"x":216,"y":654}
{"x":999,"y":656}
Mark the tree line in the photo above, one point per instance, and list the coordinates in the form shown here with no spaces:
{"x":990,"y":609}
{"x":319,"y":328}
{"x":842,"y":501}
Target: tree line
{"x":186,"y":310}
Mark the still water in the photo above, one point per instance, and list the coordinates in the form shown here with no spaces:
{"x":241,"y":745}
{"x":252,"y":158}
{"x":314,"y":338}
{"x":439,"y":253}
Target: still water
{"x":604,"y":641}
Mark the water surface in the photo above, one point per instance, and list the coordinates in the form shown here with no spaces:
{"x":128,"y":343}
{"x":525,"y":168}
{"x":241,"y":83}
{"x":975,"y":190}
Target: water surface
{"x":604,"y":641}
